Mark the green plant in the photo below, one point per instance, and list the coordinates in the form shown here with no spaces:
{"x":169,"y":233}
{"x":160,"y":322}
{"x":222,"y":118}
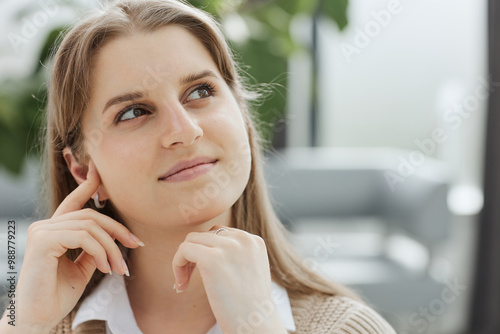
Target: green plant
{"x":264,"y":51}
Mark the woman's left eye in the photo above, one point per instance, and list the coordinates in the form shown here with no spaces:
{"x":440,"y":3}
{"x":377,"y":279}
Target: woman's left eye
{"x":131,"y":113}
{"x":201,"y":92}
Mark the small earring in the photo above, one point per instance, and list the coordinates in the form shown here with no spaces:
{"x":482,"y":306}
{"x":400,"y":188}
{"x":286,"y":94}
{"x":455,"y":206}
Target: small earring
{"x":98,"y":204}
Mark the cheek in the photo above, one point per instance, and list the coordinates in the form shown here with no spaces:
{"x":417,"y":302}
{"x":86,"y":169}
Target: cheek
{"x":238,"y":156}
{"x":228,"y":125}
{"x":228,"y":129}
{"x":120,"y":163}
{"x":225,"y":185}
{"x":121,"y":153}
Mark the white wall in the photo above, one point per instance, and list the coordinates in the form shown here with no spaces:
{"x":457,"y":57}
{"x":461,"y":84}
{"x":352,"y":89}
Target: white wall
{"x":397,"y":89}
{"x":24,"y":25}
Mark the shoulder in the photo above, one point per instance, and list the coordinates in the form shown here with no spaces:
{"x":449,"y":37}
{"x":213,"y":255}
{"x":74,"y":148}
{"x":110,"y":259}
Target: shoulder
{"x":89,"y":327}
{"x":321,"y":313}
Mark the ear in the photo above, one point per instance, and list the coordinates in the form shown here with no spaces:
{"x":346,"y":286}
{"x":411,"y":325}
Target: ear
{"x":78,"y":171}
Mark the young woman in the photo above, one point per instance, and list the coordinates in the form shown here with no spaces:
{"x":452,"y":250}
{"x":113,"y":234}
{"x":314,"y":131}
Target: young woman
{"x":155,"y":175}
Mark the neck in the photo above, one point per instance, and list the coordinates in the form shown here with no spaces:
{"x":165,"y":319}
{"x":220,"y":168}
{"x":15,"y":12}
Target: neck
{"x":151,"y":276}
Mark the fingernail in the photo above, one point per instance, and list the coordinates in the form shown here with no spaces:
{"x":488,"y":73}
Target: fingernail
{"x":109,"y":269}
{"x":125,"y":268}
{"x":136,"y":239}
{"x":176,"y":290}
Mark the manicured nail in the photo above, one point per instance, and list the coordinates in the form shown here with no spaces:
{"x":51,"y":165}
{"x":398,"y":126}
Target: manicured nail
{"x":176,"y":290}
{"x":125,"y":268}
{"x":136,"y":239}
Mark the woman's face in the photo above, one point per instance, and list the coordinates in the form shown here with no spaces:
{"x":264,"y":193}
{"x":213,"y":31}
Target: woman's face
{"x":159,"y":106}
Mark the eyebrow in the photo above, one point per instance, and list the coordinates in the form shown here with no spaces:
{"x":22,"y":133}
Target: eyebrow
{"x":196,"y":76}
{"x":123,"y":98}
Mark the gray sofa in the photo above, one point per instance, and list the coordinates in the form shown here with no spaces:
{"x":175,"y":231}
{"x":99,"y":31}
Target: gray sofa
{"x":350,"y":225}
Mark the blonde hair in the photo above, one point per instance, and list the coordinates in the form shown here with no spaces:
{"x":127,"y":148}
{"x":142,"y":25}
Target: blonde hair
{"x":70,"y":89}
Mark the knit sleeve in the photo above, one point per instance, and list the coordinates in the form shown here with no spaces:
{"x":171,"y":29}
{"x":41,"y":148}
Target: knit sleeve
{"x":64,"y":326}
{"x":89,"y":327}
{"x":336,"y":315}
{"x":361,"y":319}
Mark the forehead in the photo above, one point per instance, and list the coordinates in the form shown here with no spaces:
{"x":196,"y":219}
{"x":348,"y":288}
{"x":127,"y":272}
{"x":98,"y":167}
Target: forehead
{"x":137,"y":60}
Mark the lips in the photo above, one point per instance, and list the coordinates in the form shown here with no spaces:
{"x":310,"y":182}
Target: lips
{"x":185,"y":165}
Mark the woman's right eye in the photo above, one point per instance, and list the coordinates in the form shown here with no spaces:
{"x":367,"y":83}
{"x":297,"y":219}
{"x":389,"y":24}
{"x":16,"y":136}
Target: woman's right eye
{"x":130,"y":113}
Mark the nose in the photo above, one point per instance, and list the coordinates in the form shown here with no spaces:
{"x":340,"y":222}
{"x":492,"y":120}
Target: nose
{"x":179,"y":127}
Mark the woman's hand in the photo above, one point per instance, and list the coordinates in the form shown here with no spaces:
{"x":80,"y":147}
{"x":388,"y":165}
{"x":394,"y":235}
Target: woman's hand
{"x":234,"y":268}
{"x":50,"y":284}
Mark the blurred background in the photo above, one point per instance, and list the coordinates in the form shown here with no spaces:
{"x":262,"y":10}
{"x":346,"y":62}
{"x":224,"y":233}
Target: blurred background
{"x":381,"y":123}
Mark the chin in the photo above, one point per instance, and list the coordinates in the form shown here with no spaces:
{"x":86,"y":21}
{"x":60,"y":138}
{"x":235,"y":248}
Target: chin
{"x":203,"y":216}
{"x":201,"y":212}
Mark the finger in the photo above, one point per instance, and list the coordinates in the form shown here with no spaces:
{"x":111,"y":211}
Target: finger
{"x":216,"y":227}
{"x":87,"y":264}
{"x":209,"y":239}
{"x":115,"y":229}
{"x":113,"y":253}
{"x":189,"y":253}
{"x":65,"y":240}
{"x":78,"y":197}
{"x":229,"y":230}
{"x":189,"y":271}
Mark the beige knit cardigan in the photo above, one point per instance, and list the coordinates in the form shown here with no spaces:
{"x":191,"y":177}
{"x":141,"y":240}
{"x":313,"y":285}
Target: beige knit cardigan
{"x":313,"y":314}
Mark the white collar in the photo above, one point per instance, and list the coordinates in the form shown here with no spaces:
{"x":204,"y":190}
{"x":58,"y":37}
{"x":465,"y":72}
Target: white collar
{"x":109,"y":302}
